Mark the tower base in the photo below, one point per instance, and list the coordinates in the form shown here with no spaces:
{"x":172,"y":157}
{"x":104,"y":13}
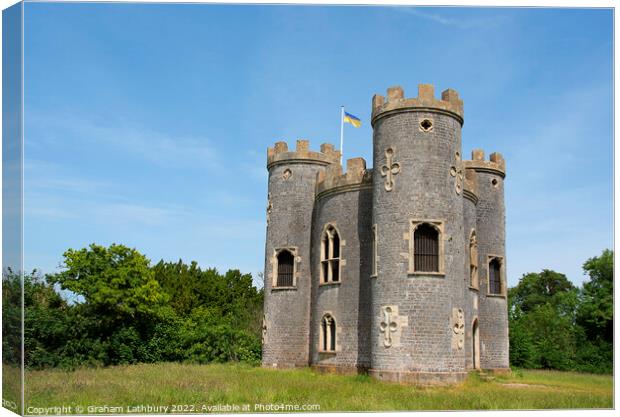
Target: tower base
{"x":418,"y":378}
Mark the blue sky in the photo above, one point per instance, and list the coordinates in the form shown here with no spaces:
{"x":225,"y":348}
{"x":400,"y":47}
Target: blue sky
{"x":147,"y":124}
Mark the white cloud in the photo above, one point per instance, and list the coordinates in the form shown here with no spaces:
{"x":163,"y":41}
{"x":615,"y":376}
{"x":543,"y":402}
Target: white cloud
{"x":461,"y":22}
{"x":128,"y":138}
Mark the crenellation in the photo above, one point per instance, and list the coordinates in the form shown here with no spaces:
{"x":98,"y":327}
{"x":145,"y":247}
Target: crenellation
{"x":426,"y":92}
{"x":395,"y":93}
{"x":497,"y":158}
{"x":302,"y":145}
{"x":451,"y":96}
{"x":280,"y":147}
{"x":356,"y":168}
{"x":377,"y":101}
{"x":477,"y":155}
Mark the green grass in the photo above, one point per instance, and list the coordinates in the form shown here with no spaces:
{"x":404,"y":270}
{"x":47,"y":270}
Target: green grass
{"x":195,"y":386}
{"x":11,"y":387}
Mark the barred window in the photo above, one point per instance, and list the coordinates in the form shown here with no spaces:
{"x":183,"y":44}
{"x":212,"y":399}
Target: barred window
{"x":426,"y":249}
{"x":330,"y":255}
{"x":285,"y":269}
{"x":495,"y":276}
{"x":328,"y":333}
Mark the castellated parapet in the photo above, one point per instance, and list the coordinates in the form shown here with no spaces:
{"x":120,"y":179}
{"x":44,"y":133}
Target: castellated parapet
{"x":332,"y":180}
{"x":280,"y":154}
{"x":495,"y":165}
{"x":396,"y":102}
{"x":398,"y":271}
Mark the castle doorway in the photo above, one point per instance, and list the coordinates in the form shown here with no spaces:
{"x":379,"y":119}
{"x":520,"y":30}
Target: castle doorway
{"x":475,"y":338}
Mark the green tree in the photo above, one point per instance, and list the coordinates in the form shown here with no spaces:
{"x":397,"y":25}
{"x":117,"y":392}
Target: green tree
{"x":11,"y":317}
{"x":116,"y":282}
{"x":121,"y":303}
{"x":541,"y":319}
{"x":537,"y":289}
{"x":596,"y":310}
{"x":595,"y":314}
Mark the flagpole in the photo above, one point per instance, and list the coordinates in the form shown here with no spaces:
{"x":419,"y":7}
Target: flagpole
{"x":341,"y":131}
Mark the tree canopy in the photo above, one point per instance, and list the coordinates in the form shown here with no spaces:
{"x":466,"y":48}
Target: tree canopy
{"x":555,"y":325}
{"x":129,"y":311}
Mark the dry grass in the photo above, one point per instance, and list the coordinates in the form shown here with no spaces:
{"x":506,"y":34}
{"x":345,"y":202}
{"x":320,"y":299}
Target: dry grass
{"x":201,"y":386}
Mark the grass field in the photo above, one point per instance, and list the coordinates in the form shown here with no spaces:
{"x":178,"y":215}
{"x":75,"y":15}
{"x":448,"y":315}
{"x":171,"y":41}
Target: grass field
{"x":211,"y":388}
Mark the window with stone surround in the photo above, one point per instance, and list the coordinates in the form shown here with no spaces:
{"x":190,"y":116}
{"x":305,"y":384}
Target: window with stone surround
{"x":330,"y":256}
{"x":495,"y":276}
{"x":328,"y":334}
{"x":426,"y":247}
{"x":284,"y":268}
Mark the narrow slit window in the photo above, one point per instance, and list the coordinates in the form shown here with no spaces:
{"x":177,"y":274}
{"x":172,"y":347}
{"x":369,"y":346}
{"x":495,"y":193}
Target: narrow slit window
{"x":374,"y":251}
{"x":328,"y":334}
{"x":495,"y":276}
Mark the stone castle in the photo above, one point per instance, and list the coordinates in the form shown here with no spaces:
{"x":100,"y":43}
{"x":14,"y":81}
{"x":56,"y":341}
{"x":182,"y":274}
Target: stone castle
{"x":399,"y":270}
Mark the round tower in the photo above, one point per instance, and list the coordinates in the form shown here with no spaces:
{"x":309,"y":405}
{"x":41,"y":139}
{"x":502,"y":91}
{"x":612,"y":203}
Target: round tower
{"x":491,"y":237}
{"x":287,"y":287}
{"x":418,"y":292}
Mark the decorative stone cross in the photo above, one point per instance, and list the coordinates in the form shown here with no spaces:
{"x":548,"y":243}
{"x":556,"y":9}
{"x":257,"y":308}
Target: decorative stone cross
{"x":457,"y":172}
{"x":458,"y":328}
{"x":388,"y":326}
{"x":389,"y":169}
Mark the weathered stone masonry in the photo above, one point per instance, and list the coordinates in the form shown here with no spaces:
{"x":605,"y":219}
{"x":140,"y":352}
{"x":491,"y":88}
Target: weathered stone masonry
{"x":399,"y":270}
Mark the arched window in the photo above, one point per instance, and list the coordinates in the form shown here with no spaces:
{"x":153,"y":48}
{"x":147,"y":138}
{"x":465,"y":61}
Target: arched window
{"x":426,"y":249}
{"x":328,"y":333}
{"x":495,"y":276}
{"x":330,"y":255}
{"x":286,"y":266}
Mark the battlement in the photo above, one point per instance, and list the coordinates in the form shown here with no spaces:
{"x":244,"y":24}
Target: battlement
{"x":495,"y":165}
{"x":396,"y":102}
{"x":280,"y":154}
{"x":333,"y":180}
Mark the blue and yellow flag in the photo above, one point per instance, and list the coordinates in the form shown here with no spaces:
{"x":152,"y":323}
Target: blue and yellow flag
{"x":349,"y":118}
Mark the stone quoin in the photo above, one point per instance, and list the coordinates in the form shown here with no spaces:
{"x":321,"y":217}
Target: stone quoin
{"x":397,"y":271}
